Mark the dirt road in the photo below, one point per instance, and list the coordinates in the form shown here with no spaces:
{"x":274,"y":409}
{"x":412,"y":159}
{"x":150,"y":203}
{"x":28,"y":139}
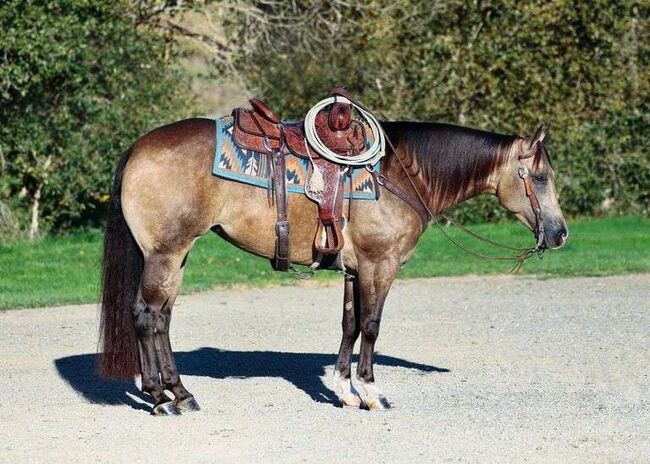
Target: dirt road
{"x":488,"y":369}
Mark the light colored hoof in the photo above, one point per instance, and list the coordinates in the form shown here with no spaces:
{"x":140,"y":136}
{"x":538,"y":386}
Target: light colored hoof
{"x":166,"y":409}
{"x":351,"y":401}
{"x":372,"y":396}
{"x":377,"y":404}
{"x":188,"y":404}
{"x":346,"y":392}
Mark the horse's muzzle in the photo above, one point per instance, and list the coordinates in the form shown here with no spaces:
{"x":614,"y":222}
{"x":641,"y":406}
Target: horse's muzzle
{"x":555,"y":237}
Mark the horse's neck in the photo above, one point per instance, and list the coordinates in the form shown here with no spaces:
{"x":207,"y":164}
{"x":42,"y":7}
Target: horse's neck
{"x":485,"y":185}
{"x":447,"y":164}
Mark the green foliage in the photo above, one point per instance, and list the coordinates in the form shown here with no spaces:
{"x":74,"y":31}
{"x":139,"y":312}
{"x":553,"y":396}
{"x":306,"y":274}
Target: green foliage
{"x":615,"y":159}
{"x":502,"y":65}
{"x":65,"y":269}
{"x":79,"y":82}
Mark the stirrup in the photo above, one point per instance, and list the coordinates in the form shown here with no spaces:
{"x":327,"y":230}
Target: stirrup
{"x":329,"y":238}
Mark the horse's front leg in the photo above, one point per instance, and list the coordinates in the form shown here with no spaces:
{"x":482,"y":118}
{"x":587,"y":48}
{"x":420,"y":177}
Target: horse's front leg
{"x":375,"y":280}
{"x":351,"y":328}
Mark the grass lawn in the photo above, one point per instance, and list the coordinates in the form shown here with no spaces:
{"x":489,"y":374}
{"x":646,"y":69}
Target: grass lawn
{"x":60,"y":270}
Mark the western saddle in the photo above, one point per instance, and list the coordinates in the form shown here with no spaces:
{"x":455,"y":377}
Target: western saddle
{"x":259,"y":129}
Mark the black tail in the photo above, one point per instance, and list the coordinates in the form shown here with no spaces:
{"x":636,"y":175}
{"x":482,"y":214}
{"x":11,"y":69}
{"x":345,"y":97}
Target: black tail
{"x":121,"y":273}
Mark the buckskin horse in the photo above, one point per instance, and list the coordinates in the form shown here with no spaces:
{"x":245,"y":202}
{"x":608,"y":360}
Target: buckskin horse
{"x":164,"y":198}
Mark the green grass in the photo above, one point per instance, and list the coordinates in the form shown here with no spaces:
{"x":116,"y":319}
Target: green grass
{"x":60,"y":270}
{"x":595,"y":248}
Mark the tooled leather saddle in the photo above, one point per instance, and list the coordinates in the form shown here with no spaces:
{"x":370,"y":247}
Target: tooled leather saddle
{"x":259,"y":129}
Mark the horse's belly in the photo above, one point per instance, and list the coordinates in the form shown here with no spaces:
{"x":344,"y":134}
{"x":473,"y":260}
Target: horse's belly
{"x":247,"y":219}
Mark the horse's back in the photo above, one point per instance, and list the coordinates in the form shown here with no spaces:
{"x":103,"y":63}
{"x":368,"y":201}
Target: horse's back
{"x":195,"y":136}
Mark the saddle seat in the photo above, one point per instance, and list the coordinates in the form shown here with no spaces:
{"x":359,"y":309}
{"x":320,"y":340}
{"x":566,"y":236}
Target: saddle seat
{"x":335,"y":127}
{"x":259,"y":129}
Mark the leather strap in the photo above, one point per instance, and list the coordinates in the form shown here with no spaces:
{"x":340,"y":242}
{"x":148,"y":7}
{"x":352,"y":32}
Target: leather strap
{"x":530,"y":193}
{"x":534,"y":204}
{"x":281,"y":260}
{"x":403,"y":195}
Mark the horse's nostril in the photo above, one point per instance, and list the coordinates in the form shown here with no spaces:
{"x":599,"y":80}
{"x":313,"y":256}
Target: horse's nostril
{"x":561,"y":236}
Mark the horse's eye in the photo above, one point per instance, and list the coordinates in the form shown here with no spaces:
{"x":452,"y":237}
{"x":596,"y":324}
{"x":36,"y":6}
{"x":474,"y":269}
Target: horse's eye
{"x":540,"y":178}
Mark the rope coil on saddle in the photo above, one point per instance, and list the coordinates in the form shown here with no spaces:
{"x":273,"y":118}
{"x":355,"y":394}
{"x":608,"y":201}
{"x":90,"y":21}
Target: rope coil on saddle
{"x":371,"y":156}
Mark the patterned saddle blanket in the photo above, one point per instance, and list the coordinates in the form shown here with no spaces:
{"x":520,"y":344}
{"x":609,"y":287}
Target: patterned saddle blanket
{"x":250,"y":167}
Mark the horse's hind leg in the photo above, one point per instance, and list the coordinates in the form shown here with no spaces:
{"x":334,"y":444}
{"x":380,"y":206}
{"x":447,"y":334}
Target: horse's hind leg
{"x":350,"y":325}
{"x":152,"y":314}
{"x":169,"y":375}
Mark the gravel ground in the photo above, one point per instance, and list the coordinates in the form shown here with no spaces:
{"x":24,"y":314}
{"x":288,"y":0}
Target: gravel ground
{"x":478,"y":369}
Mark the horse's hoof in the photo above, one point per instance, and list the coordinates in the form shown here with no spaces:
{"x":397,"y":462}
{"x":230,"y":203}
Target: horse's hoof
{"x":166,"y":409}
{"x":372,"y":397}
{"x":188,"y":404}
{"x":378,"y":403}
{"x":351,"y":401}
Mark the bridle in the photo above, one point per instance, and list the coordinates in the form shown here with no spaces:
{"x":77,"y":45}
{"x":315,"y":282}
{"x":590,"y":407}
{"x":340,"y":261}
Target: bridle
{"x":522,"y":253}
{"x":534,"y":204}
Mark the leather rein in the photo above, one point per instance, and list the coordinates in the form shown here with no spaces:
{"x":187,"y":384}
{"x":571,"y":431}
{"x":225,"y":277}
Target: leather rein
{"x":425,"y":213}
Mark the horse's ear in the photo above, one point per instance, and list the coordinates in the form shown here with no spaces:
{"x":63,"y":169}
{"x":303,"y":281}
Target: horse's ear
{"x":531,"y":142}
{"x":540,"y":134}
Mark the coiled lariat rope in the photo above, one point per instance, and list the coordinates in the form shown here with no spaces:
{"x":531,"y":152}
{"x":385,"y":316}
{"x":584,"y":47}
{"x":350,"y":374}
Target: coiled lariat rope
{"x":368,"y":157}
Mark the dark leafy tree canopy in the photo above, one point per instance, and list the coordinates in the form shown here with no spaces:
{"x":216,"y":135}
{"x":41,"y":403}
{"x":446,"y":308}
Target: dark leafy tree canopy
{"x":501,"y":65}
{"x":79,"y":81}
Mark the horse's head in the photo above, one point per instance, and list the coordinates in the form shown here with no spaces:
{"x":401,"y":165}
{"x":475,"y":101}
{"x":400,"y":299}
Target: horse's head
{"x":526,"y":187}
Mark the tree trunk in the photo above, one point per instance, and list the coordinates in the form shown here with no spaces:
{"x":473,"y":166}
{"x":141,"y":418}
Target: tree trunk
{"x":33,"y":229}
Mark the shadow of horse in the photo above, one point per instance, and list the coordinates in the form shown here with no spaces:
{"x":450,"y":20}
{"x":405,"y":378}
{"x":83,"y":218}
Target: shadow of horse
{"x":303,"y":370}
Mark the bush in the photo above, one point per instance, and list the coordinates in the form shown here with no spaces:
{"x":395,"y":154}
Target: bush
{"x":503,"y":66}
{"x":79,"y":82}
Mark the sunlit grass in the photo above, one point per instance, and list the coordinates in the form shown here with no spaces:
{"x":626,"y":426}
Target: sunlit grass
{"x":61,"y":270}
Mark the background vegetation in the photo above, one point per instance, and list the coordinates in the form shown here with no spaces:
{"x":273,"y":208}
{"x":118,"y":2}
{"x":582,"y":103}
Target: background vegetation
{"x":80,"y":80}
{"x":501,"y":65}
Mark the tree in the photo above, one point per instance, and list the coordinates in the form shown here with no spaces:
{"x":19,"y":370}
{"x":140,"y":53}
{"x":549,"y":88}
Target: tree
{"x":501,"y":65}
{"x":79,"y":82}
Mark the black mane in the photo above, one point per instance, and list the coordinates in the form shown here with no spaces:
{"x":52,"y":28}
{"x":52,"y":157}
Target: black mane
{"x":450,"y":158}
